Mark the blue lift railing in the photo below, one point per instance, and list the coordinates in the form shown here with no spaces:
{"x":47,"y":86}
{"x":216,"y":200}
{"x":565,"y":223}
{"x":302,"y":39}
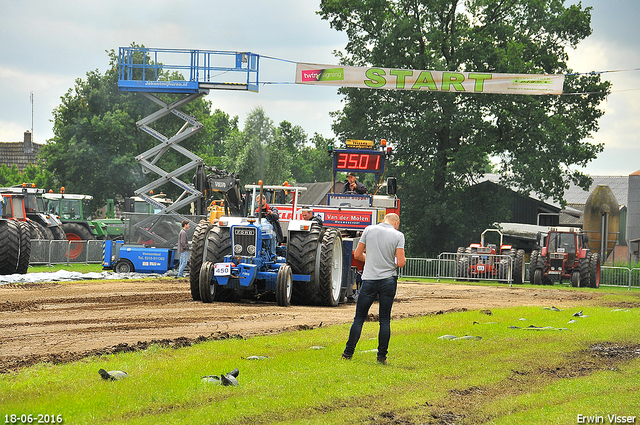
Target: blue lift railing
{"x":144,"y":69}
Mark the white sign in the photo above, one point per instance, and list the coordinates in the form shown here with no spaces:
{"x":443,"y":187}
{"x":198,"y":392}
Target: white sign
{"x":222,"y":269}
{"x":428,"y":80}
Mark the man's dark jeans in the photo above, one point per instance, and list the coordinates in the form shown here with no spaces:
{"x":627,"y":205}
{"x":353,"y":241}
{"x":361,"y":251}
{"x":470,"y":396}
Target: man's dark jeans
{"x":386,"y":289}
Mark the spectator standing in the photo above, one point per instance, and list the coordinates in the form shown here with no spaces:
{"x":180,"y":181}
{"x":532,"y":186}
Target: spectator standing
{"x":183,"y":247}
{"x":381,"y":248}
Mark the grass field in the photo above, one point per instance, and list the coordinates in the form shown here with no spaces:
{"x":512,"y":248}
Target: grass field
{"x":590,"y":367}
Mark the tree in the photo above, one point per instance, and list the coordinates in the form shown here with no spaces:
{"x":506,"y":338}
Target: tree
{"x":31,"y":174}
{"x":312,"y":163}
{"x":259,"y":152}
{"x":96,"y":139}
{"x":443,"y":141}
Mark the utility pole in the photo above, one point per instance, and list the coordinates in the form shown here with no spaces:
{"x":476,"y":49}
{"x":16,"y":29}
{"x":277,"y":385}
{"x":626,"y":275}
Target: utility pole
{"x":31,"y":98}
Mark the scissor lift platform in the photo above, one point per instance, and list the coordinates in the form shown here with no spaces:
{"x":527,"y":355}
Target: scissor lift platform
{"x":144,"y":69}
{"x":191,"y":73}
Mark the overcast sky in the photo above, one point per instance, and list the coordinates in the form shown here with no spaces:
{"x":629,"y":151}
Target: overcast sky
{"x":47,"y":44}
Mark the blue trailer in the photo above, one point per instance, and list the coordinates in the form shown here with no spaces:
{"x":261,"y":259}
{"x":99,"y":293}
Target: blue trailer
{"x":125,"y":258}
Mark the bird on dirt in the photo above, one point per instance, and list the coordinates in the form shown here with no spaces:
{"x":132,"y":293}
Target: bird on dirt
{"x":112,"y":375}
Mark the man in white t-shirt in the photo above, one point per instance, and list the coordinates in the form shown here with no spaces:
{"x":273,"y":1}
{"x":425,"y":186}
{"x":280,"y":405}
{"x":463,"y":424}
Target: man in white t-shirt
{"x":381,"y":248}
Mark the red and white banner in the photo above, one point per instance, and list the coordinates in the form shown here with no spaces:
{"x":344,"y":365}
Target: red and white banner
{"x":418,"y":80}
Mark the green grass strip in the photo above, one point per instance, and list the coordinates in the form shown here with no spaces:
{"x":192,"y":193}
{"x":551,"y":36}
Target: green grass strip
{"x":509,"y":376}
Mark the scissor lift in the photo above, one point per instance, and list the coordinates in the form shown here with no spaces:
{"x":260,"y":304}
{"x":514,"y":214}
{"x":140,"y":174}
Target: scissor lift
{"x":148,"y":71}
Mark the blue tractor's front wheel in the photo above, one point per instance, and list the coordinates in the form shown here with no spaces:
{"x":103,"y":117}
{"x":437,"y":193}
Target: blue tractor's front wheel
{"x":207,"y":286}
{"x":284,"y":285}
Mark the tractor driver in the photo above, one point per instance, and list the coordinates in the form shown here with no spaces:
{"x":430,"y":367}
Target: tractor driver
{"x":307,"y":214}
{"x":272,"y":216}
{"x":353,"y":186}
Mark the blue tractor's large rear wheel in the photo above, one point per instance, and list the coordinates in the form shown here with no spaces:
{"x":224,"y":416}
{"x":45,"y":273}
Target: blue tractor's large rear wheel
{"x":196,"y":257}
{"x":330,"y":272}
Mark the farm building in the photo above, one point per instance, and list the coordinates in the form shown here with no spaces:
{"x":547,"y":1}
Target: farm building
{"x":19,"y":153}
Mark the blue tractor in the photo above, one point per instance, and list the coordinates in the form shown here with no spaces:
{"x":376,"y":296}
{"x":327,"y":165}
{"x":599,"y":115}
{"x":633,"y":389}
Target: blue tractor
{"x":241,"y":259}
{"x":244,"y":261}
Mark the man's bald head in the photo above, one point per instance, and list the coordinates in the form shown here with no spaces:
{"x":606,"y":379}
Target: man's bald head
{"x":392,"y":219}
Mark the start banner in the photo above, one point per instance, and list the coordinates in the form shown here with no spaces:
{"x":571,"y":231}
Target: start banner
{"x":445,"y":81}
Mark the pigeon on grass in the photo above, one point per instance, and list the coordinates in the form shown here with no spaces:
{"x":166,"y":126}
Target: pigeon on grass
{"x":112,"y":375}
{"x":228,"y":379}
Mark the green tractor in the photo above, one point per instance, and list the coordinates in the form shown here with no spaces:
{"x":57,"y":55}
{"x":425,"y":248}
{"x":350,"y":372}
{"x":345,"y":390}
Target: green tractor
{"x":75,"y":214}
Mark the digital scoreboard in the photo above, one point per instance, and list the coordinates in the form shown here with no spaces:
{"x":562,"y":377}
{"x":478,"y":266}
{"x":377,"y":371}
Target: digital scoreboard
{"x":363,"y":161}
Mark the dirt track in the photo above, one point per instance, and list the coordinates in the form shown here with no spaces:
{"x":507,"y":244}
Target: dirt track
{"x":64,"y":322}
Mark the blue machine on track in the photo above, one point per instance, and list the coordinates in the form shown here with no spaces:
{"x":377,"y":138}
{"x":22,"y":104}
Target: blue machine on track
{"x":123,"y":258}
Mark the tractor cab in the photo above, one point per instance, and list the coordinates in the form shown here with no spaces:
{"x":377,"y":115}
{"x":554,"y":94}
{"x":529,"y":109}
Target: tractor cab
{"x":12,"y":206}
{"x":68,"y":206}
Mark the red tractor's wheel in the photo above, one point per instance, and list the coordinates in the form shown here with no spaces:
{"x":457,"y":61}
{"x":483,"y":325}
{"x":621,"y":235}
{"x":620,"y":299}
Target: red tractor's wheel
{"x":583,"y":265}
{"x":518,"y":267}
{"x":25,"y":247}
{"x":575,"y":279}
{"x":76,"y":233}
{"x":537,"y":277}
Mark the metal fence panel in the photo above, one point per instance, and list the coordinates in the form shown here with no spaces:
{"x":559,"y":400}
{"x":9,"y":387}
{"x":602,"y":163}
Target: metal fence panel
{"x":634,"y":278}
{"x":448,"y":265}
{"x":95,"y":251}
{"x":420,"y":267}
{"x":65,"y":252}
{"x":614,"y":276}
{"x":39,"y":252}
{"x":463,"y":266}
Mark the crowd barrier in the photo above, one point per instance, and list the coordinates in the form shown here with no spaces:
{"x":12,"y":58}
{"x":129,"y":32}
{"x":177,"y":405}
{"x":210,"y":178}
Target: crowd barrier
{"x":445,"y":267}
{"x":48,"y":252}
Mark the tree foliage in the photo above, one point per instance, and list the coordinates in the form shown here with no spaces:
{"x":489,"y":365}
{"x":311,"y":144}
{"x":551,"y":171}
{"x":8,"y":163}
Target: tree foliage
{"x":32,"y":173}
{"x":96,"y":139}
{"x":443,"y":141}
{"x":262,"y":151}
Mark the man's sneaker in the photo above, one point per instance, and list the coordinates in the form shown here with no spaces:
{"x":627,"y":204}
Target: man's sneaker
{"x":345,"y":357}
{"x":382,"y":360}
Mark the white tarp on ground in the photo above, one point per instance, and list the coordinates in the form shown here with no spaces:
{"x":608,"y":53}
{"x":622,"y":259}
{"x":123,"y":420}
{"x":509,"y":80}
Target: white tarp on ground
{"x":65,"y":276}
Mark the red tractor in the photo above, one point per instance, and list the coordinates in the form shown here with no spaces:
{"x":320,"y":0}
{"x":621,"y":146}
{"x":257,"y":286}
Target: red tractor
{"x":487,"y":261}
{"x":564,"y":256}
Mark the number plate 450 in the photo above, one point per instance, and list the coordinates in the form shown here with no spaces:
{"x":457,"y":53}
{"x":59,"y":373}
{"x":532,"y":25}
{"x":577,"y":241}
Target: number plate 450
{"x":222,"y":269}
